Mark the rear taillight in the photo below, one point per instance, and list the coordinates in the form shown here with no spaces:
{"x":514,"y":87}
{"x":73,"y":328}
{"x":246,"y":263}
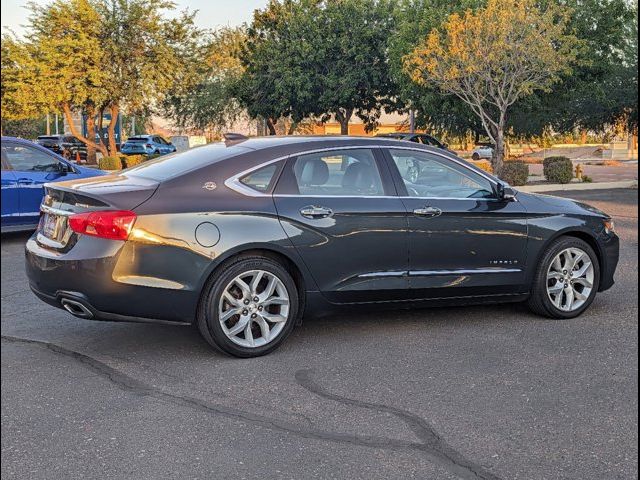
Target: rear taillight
{"x":111,"y":224}
{"x":148,"y":145}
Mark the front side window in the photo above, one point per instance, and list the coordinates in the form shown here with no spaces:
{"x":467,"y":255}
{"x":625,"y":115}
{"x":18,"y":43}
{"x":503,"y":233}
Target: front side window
{"x":338,"y":173}
{"x":261,"y":179}
{"x":24,"y":159}
{"x":429,"y":176}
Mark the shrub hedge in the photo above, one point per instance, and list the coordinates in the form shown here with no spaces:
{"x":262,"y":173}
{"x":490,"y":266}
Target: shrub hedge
{"x":484,"y":165}
{"x":558,"y":169}
{"x":515,"y":173}
{"x":133,"y":160}
{"x":110,"y":163}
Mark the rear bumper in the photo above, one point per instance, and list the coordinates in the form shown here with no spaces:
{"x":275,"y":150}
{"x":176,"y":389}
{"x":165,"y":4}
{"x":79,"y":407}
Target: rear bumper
{"x":84,"y":278}
{"x":79,"y":306}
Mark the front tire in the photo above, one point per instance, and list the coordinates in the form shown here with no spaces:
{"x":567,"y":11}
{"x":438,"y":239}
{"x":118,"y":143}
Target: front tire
{"x":566,"y":281}
{"x":248,"y":307}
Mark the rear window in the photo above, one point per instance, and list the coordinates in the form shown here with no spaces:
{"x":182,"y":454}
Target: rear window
{"x":175,"y":164}
{"x":138,"y":139}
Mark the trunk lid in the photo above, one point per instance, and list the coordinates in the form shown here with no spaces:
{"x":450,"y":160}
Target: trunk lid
{"x":63,"y":199}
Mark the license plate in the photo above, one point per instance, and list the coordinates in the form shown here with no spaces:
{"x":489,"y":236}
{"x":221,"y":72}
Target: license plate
{"x":49,"y":225}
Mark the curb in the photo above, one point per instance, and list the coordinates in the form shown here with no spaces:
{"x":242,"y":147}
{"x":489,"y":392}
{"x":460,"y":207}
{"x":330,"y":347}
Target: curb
{"x":556,"y":187}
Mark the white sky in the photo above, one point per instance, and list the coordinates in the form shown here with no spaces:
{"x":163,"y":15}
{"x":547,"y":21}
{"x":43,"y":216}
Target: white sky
{"x":211,"y":13}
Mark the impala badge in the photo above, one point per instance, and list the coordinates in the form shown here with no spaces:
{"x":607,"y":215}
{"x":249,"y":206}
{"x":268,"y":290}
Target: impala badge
{"x":209,"y":186}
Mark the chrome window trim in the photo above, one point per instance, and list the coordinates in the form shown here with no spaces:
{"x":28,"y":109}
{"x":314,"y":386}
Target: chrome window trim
{"x":236,"y":185}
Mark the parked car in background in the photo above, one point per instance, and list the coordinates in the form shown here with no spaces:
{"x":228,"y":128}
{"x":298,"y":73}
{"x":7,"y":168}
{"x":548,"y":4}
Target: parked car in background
{"x":256,"y":231}
{"x":26,"y":167}
{"x":421,"y":138}
{"x":482,"y":152}
{"x":147,"y":145}
{"x":67,"y":146}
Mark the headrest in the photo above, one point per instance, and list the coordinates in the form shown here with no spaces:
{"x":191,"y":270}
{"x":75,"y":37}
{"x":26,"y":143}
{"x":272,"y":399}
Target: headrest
{"x":358,"y":176}
{"x":314,"y":172}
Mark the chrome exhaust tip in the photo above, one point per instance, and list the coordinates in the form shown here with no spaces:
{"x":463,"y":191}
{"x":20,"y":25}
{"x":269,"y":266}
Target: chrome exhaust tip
{"x":75,"y":308}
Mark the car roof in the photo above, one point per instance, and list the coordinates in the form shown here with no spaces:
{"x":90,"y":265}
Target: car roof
{"x":395,"y":134}
{"x":303,"y":142}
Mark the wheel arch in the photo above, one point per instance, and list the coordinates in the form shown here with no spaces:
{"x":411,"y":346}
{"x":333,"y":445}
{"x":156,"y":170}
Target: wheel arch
{"x":582,"y":234}
{"x":296,"y":269}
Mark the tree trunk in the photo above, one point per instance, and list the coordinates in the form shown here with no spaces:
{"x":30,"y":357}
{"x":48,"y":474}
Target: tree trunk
{"x":271,"y":126}
{"x":343,"y":118}
{"x":498,"y":153}
{"x":91,"y":133}
{"x":292,"y":128}
{"x":114,"y":110}
{"x":66,"y":109}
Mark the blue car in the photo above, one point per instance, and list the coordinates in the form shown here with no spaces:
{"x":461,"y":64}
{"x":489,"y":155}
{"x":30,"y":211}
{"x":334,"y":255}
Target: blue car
{"x":147,"y":145}
{"x":26,"y":167}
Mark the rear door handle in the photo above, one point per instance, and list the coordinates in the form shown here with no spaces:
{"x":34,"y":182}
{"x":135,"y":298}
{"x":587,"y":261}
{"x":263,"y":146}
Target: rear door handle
{"x":428,"y":212}
{"x":316,"y":212}
{"x":25,"y":181}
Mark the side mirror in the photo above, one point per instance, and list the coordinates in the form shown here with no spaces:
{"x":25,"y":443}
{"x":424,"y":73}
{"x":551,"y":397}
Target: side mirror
{"x":64,"y":169}
{"x":505,"y":192}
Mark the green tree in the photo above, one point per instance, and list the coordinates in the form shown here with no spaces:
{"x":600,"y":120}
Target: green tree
{"x":495,"y":56}
{"x":208,"y":102}
{"x":413,"y":21}
{"x":267,"y":88}
{"x":94,"y":56}
{"x":318,"y":58}
{"x":602,"y":88}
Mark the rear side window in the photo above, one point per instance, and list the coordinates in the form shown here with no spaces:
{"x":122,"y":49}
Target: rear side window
{"x":338,"y":173}
{"x":261,"y":179}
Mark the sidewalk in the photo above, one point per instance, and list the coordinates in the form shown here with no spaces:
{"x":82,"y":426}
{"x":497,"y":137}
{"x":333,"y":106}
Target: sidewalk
{"x":599,"y":173}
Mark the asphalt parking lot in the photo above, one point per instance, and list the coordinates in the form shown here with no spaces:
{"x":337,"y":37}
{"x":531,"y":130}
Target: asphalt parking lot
{"x":472,"y":393}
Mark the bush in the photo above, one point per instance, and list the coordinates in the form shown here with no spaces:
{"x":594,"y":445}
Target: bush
{"x":133,"y":160}
{"x":515,"y":173}
{"x":152,"y":156}
{"x":110,"y":163}
{"x":484,"y":165}
{"x":587,"y":179}
{"x":558,"y":169}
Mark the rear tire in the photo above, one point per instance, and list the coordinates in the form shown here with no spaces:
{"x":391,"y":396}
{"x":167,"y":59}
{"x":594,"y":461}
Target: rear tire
{"x":560,"y":292}
{"x":245,"y":320}
{"x":475,"y":157}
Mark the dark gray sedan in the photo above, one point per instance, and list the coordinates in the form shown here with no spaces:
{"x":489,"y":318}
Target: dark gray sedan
{"x":242,"y":238}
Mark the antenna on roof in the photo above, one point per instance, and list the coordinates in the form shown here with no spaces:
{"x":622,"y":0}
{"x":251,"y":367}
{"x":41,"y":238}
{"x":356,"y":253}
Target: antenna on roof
{"x":234,"y":137}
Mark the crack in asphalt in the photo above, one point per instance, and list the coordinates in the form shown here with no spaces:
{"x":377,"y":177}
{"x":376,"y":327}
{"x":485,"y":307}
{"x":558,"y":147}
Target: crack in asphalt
{"x":431,"y":444}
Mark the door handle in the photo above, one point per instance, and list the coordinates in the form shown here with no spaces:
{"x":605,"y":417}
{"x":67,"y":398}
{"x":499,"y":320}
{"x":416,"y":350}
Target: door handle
{"x":428,"y":212}
{"x":25,"y":181}
{"x":316,"y":212}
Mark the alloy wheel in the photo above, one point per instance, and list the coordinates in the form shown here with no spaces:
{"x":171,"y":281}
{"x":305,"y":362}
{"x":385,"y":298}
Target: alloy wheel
{"x":570,"y":279}
{"x":254,"y":308}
